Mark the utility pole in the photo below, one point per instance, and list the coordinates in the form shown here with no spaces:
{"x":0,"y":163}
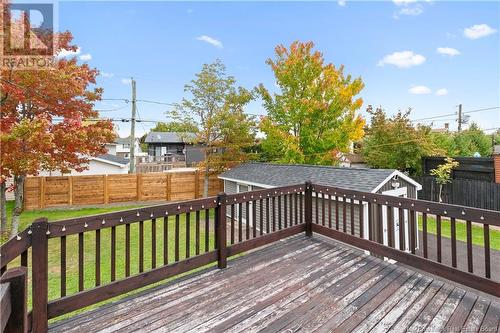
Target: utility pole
{"x":459,"y":117}
{"x":132,"y":130}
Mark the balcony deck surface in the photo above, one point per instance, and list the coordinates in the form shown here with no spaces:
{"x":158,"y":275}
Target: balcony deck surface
{"x":297,"y":284}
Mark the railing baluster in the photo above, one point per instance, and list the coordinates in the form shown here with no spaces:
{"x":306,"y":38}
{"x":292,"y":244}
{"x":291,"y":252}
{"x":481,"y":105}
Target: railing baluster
{"x":290,"y":209}
{"x":380,"y":225}
{"x":197,"y":235}
{"x":24,"y":258}
{"x":261,"y":217}
{"x":301,"y":203}
{"x":344,"y":214}
{"x":247,"y":218}
{"x":390,"y":226}
{"x":438,"y":238}
{"x":63,"y":266}
{"x":240,"y":222}
{"x":176,"y":241}
{"x":232,"y":224}
{"x":470,"y":267}
{"x":361,"y":219}
{"x":453,"y":227}
{"x":153,"y":243}
{"x":280,"y":221}
{"x":188,"y":235}
{"x":337,"y":213}
{"x":254,"y":218}
{"x":113,"y":253}
{"x":274,"y":213}
{"x":127,"y":249}
{"x":402,"y":233}
{"x":424,"y":234}
{"x":316,"y":207}
{"x":487,"y":265}
{"x":370,"y":221}
{"x":323,"y":216}
{"x":207,"y":229}
{"x":141,"y":246}
{"x":285,"y":211}
{"x":412,"y":232}
{"x":165,"y":240}
{"x":98,"y":257}
{"x":268,"y":229}
{"x":80,"y":261}
{"x":352,"y":216}
{"x":330,"y":211}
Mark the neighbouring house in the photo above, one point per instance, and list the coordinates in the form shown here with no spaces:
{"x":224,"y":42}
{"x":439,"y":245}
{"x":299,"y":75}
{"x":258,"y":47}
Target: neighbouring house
{"x":256,"y":176}
{"x":178,"y":145}
{"x":121,"y":148}
{"x":352,"y":160}
{"x":106,"y":164}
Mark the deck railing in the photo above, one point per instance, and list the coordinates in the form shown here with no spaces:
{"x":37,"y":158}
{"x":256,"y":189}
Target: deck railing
{"x":139,"y":247}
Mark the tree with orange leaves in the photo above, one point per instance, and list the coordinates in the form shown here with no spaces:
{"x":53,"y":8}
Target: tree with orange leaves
{"x":43,"y":122}
{"x":314,"y":116}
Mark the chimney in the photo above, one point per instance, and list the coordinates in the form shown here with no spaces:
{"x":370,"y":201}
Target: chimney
{"x":446,"y":126}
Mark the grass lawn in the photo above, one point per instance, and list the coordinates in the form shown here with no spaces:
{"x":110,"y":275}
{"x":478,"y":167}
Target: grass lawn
{"x":477,"y":231}
{"x":105,"y":257}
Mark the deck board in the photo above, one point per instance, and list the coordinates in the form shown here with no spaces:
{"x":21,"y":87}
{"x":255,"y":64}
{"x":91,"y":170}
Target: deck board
{"x":300,"y":283}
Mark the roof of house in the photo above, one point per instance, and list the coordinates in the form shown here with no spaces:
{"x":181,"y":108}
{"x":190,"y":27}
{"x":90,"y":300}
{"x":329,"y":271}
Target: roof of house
{"x":271,"y":175}
{"x":169,"y":137}
{"x":113,"y":159}
{"x":122,"y":141}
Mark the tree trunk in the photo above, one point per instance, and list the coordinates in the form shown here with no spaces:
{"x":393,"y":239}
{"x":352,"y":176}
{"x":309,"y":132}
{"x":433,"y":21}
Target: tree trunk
{"x":206,"y":176}
{"x":440,"y":192}
{"x":18,"y":207}
{"x":3,"y":208}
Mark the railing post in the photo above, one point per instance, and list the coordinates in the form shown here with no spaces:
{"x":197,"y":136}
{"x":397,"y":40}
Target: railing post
{"x":39,"y":255}
{"x":17,"y":278}
{"x":308,"y":208}
{"x":220,"y":225}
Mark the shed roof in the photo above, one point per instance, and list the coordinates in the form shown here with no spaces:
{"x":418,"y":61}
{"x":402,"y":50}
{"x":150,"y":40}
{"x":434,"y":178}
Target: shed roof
{"x":169,"y":137}
{"x":271,"y":175}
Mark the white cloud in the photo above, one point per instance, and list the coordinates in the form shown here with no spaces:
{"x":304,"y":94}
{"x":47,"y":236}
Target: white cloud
{"x":478,"y":31}
{"x":126,"y":81}
{"x":419,"y":90}
{"x":448,"y":51}
{"x":86,"y":57}
{"x":69,"y":53}
{"x":403,"y":59}
{"x":210,"y":40}
{"x":442,"y":92}
{"x":412,"y":11}
{"x":403,"y":2}
{"x":341,"y":3}
{"x":107,"y":75}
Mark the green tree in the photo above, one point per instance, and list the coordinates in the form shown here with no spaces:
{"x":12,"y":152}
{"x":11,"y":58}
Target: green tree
{"x":215,"y":104}
{"x":313,"y":116}
{"x":394,"y":143}
{"x":472,"y":140}
{"x":443,"y":174}
{"x":176,"y":126}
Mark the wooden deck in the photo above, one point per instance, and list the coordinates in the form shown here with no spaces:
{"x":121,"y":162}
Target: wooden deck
{"x":299,"y":283}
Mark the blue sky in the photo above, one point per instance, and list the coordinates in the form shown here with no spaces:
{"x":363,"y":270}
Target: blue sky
{"x":393,"y":46}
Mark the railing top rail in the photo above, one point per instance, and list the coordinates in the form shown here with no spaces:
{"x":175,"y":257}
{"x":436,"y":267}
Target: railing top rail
{"x":14,"y":247}
{"x":263,"y":194}
{"x":430,"y":207}
{"x":100,"y":221}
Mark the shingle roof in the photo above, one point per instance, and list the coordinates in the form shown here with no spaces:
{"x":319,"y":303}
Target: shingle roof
{"x":169,"y":137}
{"x":114,"y":159}
{"x":359,"y":179}
{"x":122,"y":141}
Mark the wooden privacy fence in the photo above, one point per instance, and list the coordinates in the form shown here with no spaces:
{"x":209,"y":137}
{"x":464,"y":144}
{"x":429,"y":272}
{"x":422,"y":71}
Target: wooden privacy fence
{"x":43,"y":192}
{"x":471,"y":193}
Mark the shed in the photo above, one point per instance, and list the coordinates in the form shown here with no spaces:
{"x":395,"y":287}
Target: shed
{"x":255,"y":176}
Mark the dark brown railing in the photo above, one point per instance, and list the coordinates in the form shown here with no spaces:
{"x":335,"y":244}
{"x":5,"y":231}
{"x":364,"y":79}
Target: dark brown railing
{"x":216,"y":228}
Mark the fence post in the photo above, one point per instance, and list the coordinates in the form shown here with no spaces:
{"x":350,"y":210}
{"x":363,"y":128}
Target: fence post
{"x":220,"y":225}
{"x":308,"y":208}
{"x":18,"y":280}
{"x":39,"y":255}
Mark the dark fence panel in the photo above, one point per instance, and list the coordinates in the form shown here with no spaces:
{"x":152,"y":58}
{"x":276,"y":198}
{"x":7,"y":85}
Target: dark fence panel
{"x":472,"y":193}
{"x":471,"y":168}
